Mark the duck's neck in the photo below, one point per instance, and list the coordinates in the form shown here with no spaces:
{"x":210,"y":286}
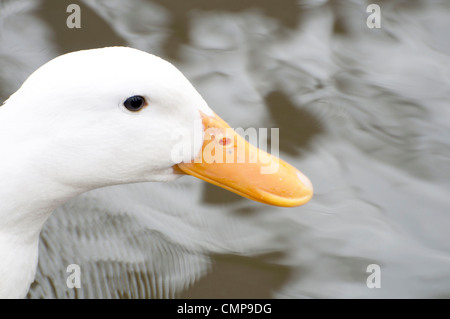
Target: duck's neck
{"x":27,"y":198}
{"x":25,"y":205}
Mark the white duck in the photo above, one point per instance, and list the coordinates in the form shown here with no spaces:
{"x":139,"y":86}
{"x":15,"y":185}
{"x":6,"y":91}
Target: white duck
{"x":109,"y":116}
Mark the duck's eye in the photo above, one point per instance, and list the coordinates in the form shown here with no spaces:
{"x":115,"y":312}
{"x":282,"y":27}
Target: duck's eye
{"x":134,"y":103}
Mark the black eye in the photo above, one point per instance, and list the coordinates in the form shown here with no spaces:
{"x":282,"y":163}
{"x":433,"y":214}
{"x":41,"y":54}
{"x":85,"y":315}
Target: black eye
{"x":134,"y":103}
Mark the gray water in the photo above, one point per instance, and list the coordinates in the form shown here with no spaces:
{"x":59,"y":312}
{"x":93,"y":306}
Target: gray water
{"x":362,"y":112}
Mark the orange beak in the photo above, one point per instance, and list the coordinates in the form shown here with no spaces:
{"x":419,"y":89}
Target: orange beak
{"x":229,"y":161}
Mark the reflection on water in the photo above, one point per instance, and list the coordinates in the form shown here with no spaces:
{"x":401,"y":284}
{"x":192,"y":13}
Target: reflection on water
{"x":363,"y":112}
{"x":299,"y":125}
{"x":95,"y":32}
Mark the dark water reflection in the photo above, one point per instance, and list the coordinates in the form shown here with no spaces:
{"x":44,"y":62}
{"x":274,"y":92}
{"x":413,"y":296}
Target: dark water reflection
{"x":363,"y":112}
{"x":95,"y":32}
{"x":299,"y":125}
{"x":258,"y":275}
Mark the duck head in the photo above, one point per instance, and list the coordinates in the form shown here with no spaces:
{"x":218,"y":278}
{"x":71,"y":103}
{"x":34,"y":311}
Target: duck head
{"x":119,"y":115}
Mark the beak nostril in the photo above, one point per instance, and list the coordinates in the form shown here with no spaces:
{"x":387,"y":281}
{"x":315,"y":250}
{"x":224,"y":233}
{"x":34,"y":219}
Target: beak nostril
{"x":225,"y":141}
